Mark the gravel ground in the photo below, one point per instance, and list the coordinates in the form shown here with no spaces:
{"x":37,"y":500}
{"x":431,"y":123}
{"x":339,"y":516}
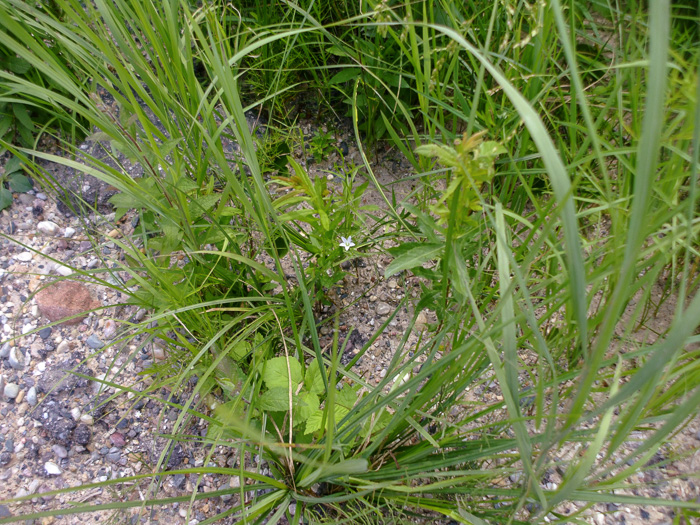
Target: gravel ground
{"x":59,"y":429}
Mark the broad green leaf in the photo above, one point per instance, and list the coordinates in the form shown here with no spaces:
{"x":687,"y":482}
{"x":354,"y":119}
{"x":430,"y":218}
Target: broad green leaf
{"x":18,"y":65}
{"x":125,"y":200}
{"x":347,"y":397}
{"x":22,"y":115}
{"x":5,"y":198}
{"x":314,"y":422}
{"x":240,"y":350}
{"x":344,"y":75}
{"x":19,"y":182}
{"x":203,"y":204}
{"x":277,"y":373}
{"x":491,"y":148}
{"x":13,"y":165}
{"x":305,"y":405}
{"x":275,"y":400}
{"x":414,"y":257}
{"x":314,"y":378}
{"x":5,"y":124}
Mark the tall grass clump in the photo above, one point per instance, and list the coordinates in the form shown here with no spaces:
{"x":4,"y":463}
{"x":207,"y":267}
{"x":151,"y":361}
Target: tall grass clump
{"x":557,"y":149}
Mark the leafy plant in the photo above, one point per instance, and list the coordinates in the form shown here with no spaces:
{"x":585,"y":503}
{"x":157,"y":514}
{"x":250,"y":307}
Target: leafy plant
{"x":322,"y":143}
{"x":13,"y":180}
{"x":332,"y":220}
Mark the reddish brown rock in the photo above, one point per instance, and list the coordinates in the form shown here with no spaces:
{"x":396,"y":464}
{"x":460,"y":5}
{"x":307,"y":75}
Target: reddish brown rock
{"x":66,"y":299}
{"x":117,"y":439}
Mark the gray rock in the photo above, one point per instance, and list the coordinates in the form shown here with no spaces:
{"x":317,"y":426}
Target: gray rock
{"x":2,"y":383}
{"x":5,"y":350}
{"x":69,"y":232}
{"x":41,"y":196}
{"x":94,"y":342}
{"x":382,"y":308}
{"x":45,"y":333}
{"x":11,"y":390}
{"x":60,"y":451}
{"x":31,"y":396}
{"x":5,"y":511}
{"x":16,"y":358}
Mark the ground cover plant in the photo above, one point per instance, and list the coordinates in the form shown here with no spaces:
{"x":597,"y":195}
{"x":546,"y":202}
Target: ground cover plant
{"x":555,"y":145}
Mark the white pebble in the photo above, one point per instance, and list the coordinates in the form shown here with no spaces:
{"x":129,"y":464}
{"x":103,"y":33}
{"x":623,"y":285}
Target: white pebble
{"x":75,"y":413}
{"x":87,"y":419}
{"x":52,"y":469}
{"x":47,"y":227}
{"x":65,"y":271}
{"x":24,"y":256}
{"x":69,"y":232}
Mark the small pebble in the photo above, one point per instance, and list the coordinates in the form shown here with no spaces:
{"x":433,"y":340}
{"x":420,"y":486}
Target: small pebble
{"x":31,"y":396}
{"x":113,"y":234}
{"x":16,"y":359}
{"x":65,"y":271}
{"x":69,"y":232}
{"x":117,"y":439}
{"x":45,"y":333}
{"x":5,"y":350}
{"x":47,"y":227}
{"x":52,"y":469}
{"x":87,"y":419}
{"x":382,"y":308}
{"x":158,"y":353}
{"x":11,"y":390}
{"x":41,"y":196}
{"x":110,"y":329}
{"x":75,"y":413}
{"x":94,"y":342}
{"x":60,"y":451}
{"x":391,"y":284}
{"x":24,"y":256}
{"x":63,"y":347}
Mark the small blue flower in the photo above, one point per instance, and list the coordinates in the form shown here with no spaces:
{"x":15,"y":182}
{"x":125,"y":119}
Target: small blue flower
{"x":347,"y":242}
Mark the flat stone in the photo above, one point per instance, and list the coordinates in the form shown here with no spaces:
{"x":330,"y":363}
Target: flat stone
{"x":5,"y":511}
{"x":45,"y":333}
{"x":47,"y":227}
{"x":5,"y":350}
{"x":11,"y":390}
{"x":382,"y":308}
{"x":63,"y":270}
{"x":66,"y":299}
{"x":60,"y":451}
{"x":24,"y":256}
{"x":117,"y":439}
{"x":94,"y":342}
{"x":52,"y":469}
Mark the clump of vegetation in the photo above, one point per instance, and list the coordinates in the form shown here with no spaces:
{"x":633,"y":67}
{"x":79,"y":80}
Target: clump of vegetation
{"x":592,"y":118}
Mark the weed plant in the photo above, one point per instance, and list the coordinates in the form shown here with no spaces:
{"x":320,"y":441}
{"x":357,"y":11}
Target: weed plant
{"x":541,"y":253}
